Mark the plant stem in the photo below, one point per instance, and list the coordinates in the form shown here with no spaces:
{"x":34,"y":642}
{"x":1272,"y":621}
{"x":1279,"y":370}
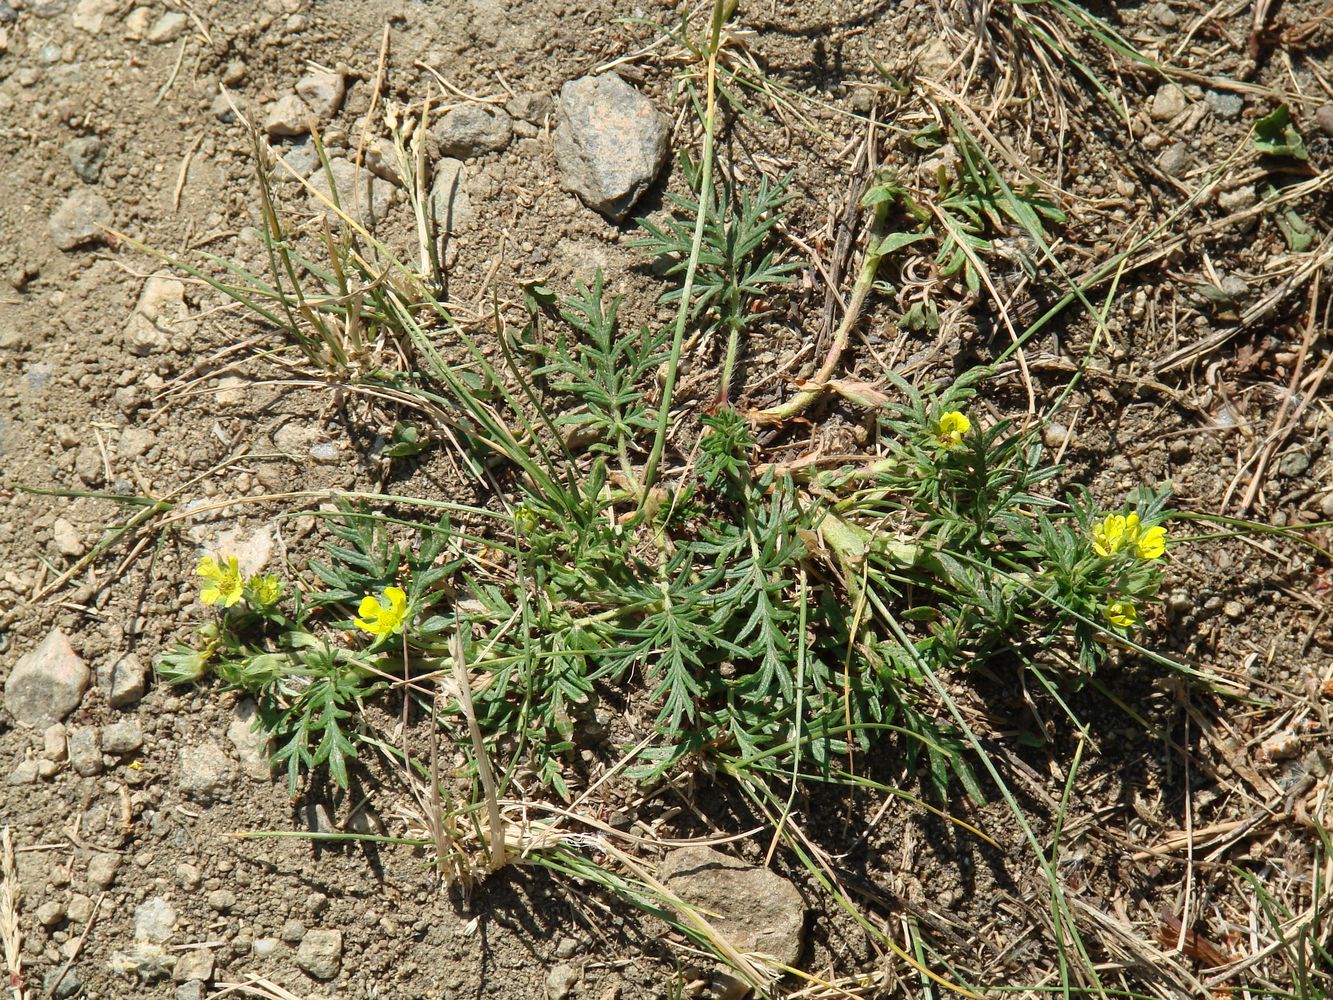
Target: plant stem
{"x":721,"y":9}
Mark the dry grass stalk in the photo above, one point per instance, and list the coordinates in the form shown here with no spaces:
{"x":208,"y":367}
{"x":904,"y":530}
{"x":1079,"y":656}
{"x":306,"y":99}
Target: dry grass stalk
{"x":10,"y":932}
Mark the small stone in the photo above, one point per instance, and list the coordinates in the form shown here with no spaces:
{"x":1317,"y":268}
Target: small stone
{"x":754,"y":908}
{"x":61,"y":987}
{"x":1323,"y":118}
{"x":1167,"y":103}
{"x":189,"y":876}
{"x":1054,"y":436}
{"x":252,"y":743}
{"x":934,"y":59}
{"x":566,"y":948}
{"x":1224,"y":105}
{"x":325,"y":453}
{"x":382,"y":160}
{"x":561,"y":980}
{"x":472,"y":130}
{"x":532,"y":107}
{"x":316,"y":903}
{"x":47,"y":769}
{"x":1175,"y":159}
{"x":168,"y":28}
{"x":47,"y":683}
{"x":135,"y":441}
{"x":89,"y":15}
{"x":233,"y":73}
{"x":302,"y":158}
{"x":354,"y":186}
{"x":222,"y":900}
{"x":322,"y":92}
{"x":80,"y":908}
{"x":293,"y":931}
{"x":50,"y":913}
{"x":265,"y":946}
{"x":287,"y":116}
{"x":102,"y":870}
{"x":89,"y":467}
{"x":85,"y":750}
{"x":154,"y":920}
{"x":122,"y":738}
{"x":160,"y":313}
{"x":25,"y":772}
{"x":53,"y":741}
{"x":448,"y":197}
{"x":610,"y":142}
{"x":193,"y":965}
{"x":1237,"y":200}
{"x":1233,"y":609}
{"x":68,"y":541}
{"x":1234,"y":288}
{"x":1180,"y":450}
{"x":123,"y":681}
{"x":1293,"y":464}
{"x":137,"y":23}
{"x":81,"y":218}
{"x":320,"y":953}
{"x":1326,"y":505}
{"x":193,"y":990}
{"x":86,"y":155}
{"x":205,"y":773}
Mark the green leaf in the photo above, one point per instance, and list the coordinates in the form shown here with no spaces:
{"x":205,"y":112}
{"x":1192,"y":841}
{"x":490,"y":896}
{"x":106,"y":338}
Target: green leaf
{"x":1274,"y":135}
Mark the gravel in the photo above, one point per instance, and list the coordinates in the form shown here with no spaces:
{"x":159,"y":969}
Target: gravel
{"x":205,"y":773}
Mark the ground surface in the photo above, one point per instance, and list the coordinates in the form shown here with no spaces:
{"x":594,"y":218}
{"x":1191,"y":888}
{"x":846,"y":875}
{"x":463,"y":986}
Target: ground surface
{"x":1186,"y":385}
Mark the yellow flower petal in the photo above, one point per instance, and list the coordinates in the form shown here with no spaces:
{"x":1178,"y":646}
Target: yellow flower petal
{"x":383,"y":615}
{"x":953,"y":425}
{"x":1151,"y":544}
{"x":225,"y":585}
{"x":1108,"y":538}
{"x":1122,"y":614}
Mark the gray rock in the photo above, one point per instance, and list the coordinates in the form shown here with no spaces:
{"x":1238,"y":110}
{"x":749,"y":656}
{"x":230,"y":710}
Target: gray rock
{"x":154,"y":920}
{"x":193,"y":965}
{"x":1293,"y":464}
{"x":293,"y":931}
{"x":80,"y":909}
{"x":26,"y":772}
{"x":756,"y":909}
{"x":85,"y":750}
{"x":534,"y":107}
{"x":303,"y":158}
{"x":160,"y":313}
{"x":51,"y":913}
{"x":472,"y":130}
{"x":1237,"y":200}
{"x":86,"y":155}
{"x":205,"y":773}
{"x":81,"y":218}
{"x":1175,"y":160}
{"x":1224,"y":105}
{"x":265,"y":946}
{"x":89,"y":15}
{"x":610,"y":142}
{"x":222,"y":900}
{"x":1323,"y":117}
{"x":47,"y":683}
{"x":375,"y":196}
{"x":53,"y":741}
{"x":193,"y":990}
{"x":123,"y":681}
{"x":321,"y":953}
{"x":102,"y":870}
{"x":560,"y":981}
{"x":448,"y":196}
{"x":934,"y":59}
{"x":322,"y":92}
{"x":1167,"y":103}
{"x":381,"y":159}
{"x":61,"y":987}
{"x":168,"y":28}
{"x":122,"y":737}
{"x":67,"y":539}
{"x":287,"y":116}
{"x":253,"y":745}
{"x":1234,"y":288}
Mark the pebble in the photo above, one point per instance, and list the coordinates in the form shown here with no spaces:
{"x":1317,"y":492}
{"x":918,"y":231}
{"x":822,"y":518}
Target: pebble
{"x":86,"y":155}
{"x":1237,"y":200}
{"x":137,"y":23}
{"x":67,"y":539}
{"x":303,"y":158}
{"x":26,"y":772}
{"x":531,"y":107}
{"x":154,"y":920}
{"x":193,"y":965}
{"x":1223,"y":104}
{"x":89,"y":467}
{"x":325,"y":453}
{"x":375,"y":195}
{"x":135,"y":441}
{"x":89,"y":15}
{"x":1293,"y":464}
{"x":50,"y":913}
{"x":123,"y":681}
{"x":382,"y":160}
{"x":80,"y":219}
{"x":53,"y":741}
{"x":1180,"y":450}
{"x":322,"y":92}
{"x":752,"y":907}
{"x":610,"y":141}
{"x":287,"y":116}
{"x":320,"y":953}
{"x":1054,"y":436}
{"x":80,"y":908}
{"x":449,"y":197}
{"x":265,"y":946}
{"x":1175,"y":159}
{"x":1323,"y":118}
{"x":122,"y":738}
{"x":160,"y":312}
{"x":47,"y":683}
{"x":253,"y":745}
{"x":193,"y":990}
{"x":1326,"y":505}
{"x":1167,"y":103}
{"x":222,"y":900}
{"x":204,"y":772}
{"x":168,"y":28}
{"x":566,"y":947}
{"x":189,"y":876}
{"x":61,"y":987}
{"x":561,"y":980}
{"x":1233,"y":609}
{"x":85,"y":750}
{"x":102,"y":870}
{"x":292,"y":931}
{"x":473,"y":129}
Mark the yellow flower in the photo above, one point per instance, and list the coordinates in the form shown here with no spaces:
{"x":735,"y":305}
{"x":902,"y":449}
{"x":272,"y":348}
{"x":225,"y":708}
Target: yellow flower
{"x":383,"y":615}
{"x":1122,"y":613}
{"x":953,"y":425}
{"x":1149,"y":544}
{"x":1119,"y":532}
{"x":224,"y":581}
{"x":1108,"y":538}
{"x":266,"y":589}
